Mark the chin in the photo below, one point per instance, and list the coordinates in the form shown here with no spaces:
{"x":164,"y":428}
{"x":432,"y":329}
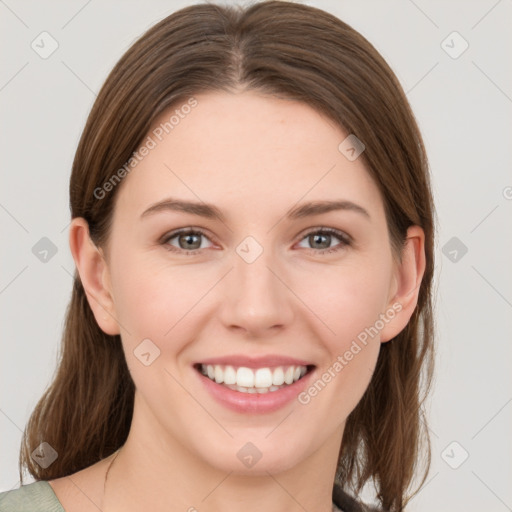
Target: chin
{"x":257,"y":457}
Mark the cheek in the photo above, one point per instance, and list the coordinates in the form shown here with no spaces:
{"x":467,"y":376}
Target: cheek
{"x":155,"y":300}
{"x":152,"y":296}
{"x":349,"y":303}
{"x":349,"y":300}
{"x":346,"y":298}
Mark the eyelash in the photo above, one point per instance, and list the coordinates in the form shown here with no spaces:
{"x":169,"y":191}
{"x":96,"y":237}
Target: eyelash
{"x":345,"y":240}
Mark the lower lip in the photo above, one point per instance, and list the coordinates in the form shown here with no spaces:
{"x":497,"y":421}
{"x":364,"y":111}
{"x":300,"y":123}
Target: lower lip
{"x":258,"y":403}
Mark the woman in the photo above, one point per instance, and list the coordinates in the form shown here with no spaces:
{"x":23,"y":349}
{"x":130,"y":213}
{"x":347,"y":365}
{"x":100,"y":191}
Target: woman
{"x":251,"y":314}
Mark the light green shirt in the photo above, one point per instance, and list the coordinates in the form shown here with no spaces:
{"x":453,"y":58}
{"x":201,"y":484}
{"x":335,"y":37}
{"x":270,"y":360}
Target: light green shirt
{"x":34,"y":497}
{"x":39,"y":497}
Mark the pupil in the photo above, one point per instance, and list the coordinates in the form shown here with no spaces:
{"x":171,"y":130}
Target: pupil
{"x":317,"y":238}
{"x":189,"y":240}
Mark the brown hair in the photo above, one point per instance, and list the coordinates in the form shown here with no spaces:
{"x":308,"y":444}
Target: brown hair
{"x":293,"y":51}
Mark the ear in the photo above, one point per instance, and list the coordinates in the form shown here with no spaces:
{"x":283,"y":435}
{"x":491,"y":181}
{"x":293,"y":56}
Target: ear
{"x":94,"y":274}
{"x":407,"y":280}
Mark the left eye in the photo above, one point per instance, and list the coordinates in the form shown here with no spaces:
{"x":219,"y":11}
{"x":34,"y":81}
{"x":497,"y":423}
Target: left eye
{"x":323,"y":237}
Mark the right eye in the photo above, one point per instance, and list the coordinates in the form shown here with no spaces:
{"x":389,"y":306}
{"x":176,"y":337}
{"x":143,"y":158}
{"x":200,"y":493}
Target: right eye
{"x":188,"y":241}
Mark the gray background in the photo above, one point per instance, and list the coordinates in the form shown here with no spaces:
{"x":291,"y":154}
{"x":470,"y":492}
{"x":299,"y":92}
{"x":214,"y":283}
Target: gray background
{"x":463,"y":106}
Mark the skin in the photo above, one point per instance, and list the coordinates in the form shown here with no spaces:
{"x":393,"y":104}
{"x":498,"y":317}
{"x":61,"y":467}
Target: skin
{"x":254,"y":157}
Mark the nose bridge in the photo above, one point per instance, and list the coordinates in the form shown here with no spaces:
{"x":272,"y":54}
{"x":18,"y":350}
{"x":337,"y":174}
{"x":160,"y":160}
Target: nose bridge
{"x":256,"y":299}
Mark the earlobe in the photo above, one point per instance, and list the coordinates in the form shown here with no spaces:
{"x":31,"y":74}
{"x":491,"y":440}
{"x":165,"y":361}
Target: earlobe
{"x":408,"y":277}
{"x":94,"y":274}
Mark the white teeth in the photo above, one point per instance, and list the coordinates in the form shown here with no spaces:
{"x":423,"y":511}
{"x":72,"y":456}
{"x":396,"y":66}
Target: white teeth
{"x":248,"y":380}
{"x":263,"y":378}
{"x":288,"y":375}
{"x":219,"y":375}
{"x":245,"y":377}
{"x":229,"y":375}
{"x":278,"y":377}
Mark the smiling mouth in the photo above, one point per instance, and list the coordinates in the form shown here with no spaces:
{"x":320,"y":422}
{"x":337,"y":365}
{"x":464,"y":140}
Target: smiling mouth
{"x":254,"y":380}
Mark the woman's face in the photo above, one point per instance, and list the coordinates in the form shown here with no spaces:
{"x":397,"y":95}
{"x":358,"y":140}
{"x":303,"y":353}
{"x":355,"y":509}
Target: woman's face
{"x":265,"y":282}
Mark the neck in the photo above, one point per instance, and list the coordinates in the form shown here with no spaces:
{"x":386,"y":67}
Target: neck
{"x":153,"y":471}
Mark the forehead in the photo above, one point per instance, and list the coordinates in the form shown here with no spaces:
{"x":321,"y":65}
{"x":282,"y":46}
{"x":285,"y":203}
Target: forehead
{"x":243,"y":151}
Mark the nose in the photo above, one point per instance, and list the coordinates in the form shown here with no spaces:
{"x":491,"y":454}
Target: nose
{"x":256,"y":299}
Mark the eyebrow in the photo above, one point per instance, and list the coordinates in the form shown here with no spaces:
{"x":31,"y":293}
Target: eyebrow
{"x":319,"y":207}
{"x":212,"y":212}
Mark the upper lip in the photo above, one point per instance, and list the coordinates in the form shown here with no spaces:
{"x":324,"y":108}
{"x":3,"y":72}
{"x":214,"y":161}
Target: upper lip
{"x":255,"y":362}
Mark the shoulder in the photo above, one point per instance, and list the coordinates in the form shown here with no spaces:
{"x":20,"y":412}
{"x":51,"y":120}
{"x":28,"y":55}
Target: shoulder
{"x":34,"y":497}
{"x":347,"y":503}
